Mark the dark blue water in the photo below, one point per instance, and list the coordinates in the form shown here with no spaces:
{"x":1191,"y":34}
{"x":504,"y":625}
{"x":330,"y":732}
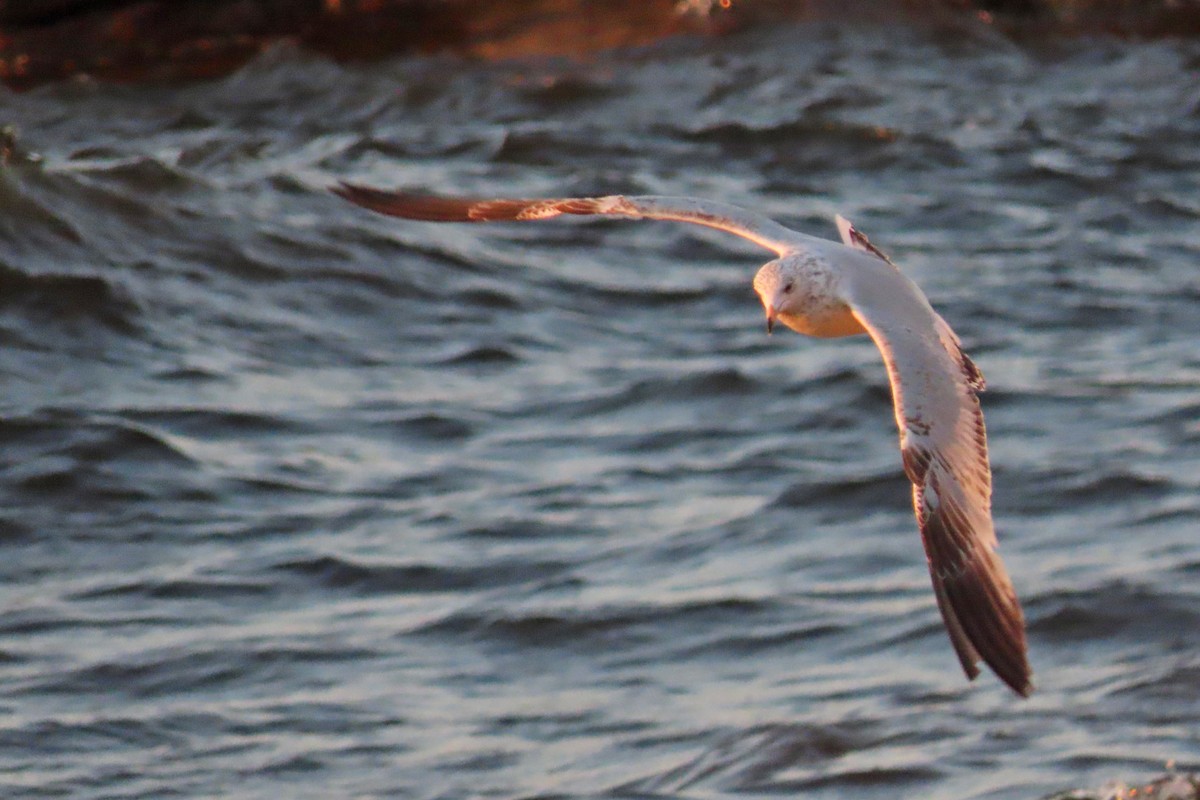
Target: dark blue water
{"x":300,"y":501}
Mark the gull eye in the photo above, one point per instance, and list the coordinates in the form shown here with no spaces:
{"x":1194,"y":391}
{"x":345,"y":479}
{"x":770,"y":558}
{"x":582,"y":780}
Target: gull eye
{"x":787,"y":287}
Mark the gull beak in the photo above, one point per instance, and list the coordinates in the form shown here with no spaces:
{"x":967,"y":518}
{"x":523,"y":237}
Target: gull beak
{"x":771,"y":315}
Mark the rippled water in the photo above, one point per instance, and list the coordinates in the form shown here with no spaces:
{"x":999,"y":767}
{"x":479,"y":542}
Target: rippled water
{"x":300,"y":501}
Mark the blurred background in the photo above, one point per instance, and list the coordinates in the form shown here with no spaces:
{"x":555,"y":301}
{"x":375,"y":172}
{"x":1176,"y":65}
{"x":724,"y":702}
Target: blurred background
{"x":300,"y":501}
{"x":134,"y":39}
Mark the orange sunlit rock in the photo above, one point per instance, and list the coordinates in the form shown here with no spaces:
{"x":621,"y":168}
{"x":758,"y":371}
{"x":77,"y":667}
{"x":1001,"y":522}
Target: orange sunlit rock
{"x":136,"y":39}
{"x":123,"y":27}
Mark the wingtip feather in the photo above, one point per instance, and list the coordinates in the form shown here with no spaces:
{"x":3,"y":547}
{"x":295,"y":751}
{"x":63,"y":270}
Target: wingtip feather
{"x":845,"y":230}
{"x":983,"y":609}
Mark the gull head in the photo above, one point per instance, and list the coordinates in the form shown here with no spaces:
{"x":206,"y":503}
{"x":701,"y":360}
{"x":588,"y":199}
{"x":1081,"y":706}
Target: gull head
{"x":801,"y":292}
{"x":778,"y":284}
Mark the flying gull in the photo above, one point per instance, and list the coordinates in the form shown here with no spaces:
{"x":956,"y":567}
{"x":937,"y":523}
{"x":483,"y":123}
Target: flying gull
{"x":824,"y":288}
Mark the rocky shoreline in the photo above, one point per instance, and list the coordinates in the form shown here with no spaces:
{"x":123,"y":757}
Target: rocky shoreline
{"x":46,"y":40}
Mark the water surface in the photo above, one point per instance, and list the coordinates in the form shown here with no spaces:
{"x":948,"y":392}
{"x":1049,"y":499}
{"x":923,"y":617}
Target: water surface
{"x":300,"y":501}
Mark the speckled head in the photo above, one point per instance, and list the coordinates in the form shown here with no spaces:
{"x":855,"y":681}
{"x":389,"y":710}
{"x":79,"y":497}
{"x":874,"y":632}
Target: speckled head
{"x":773,"y":288}
{"x":801,"y":295}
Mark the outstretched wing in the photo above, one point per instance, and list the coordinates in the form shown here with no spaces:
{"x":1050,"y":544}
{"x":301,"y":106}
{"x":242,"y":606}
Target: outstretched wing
{"x":853,"y":238}
{"x":944,"y":448}
{"x":433,"y":208}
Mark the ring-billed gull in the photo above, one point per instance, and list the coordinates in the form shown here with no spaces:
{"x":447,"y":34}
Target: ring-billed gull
{"x":824,"y":288}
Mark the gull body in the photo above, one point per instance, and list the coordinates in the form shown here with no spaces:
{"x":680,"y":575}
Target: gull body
{"x":822,"y":288}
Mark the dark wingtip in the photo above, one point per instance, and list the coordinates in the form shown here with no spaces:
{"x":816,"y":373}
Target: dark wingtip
{"x":1016,"y":676}
{"x":349,"y":192}
{"x":1021,"y":689}
{"x":412,"y":205}
{"x":359,"y":195}
{"x":981,"y":612}
{"x":1021,"y":683}
{"x":341,"y":188}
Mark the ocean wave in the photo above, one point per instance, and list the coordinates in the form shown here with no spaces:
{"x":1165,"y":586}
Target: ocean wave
{"x":58,"y":298}
{"x":333,"y":573}
{"x":782,"y":758}
{"x":1118,"y":611}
